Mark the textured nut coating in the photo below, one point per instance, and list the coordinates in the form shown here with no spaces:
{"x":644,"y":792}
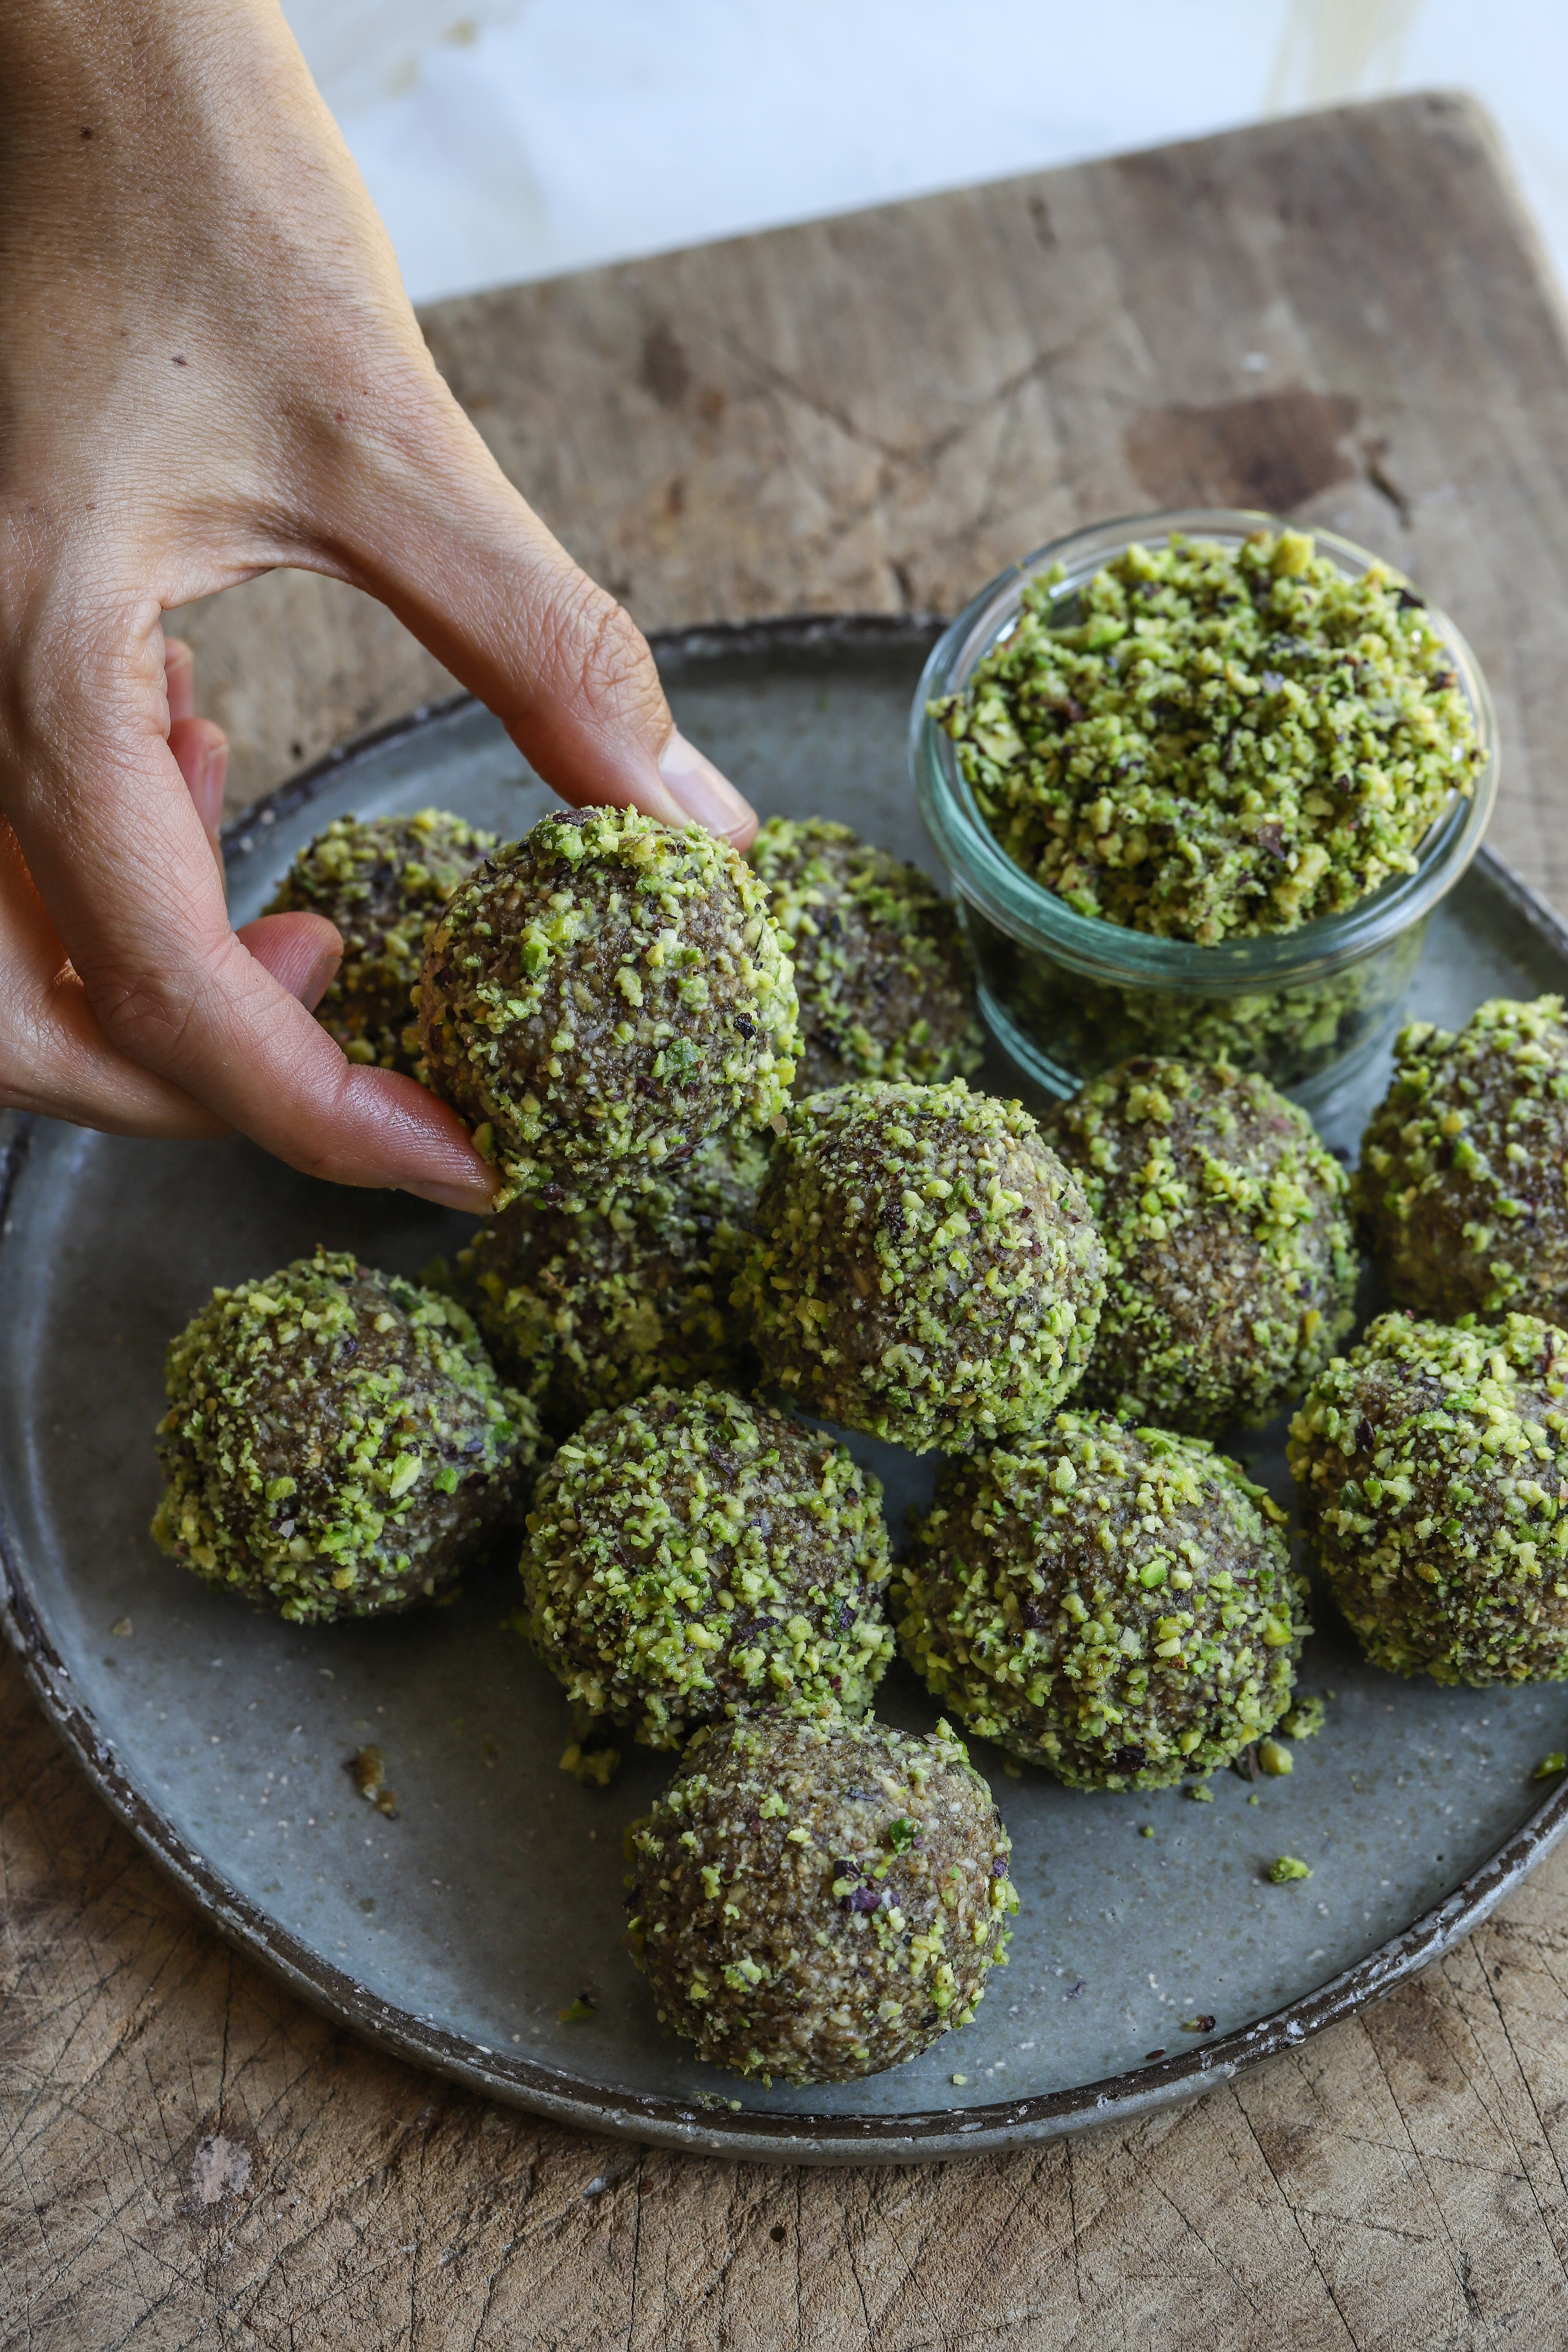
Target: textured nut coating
{"x":881,"y":966}
{"x":693,"y":1557}
{"x":607,"y":993}
{"x":588,"y":1309}
{"x":1232,"y":1263}
{"x":926,"y":1268}
{"x":818,"y":1901}
{"x":1432,"y":1464}
{"x":1461,"y":1183}
{"x":1115,"y":1603}
{"x":336,"y":1444}
{"x":385,"y":882}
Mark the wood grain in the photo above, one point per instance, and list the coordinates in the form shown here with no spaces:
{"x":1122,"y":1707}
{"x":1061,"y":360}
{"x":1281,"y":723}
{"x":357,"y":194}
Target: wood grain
{"x":1344,"y":317}
{"x":876,"y":412}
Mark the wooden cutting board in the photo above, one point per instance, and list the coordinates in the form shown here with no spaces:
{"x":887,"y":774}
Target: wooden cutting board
{"x":1346,"y":318}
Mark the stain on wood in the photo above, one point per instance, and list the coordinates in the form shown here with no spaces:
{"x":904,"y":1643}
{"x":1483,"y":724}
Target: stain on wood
{"x":873,"y":412}
{"x":1276,"y":451}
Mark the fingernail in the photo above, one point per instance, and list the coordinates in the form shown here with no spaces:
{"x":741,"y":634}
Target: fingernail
{"x":319,"y":979}
{"x":706,"y":797}
{"x":214,"y":775}
{"x":472,"y":1199}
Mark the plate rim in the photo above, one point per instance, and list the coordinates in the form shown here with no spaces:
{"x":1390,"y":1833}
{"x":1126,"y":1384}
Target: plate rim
{"x":694,"y":2126}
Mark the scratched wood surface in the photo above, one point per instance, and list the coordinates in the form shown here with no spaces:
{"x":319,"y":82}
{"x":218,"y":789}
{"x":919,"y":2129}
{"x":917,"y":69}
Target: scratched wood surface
{"x":1343,"y":317}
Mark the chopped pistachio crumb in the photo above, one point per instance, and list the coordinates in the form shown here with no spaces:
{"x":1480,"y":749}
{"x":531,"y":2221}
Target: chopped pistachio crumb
{"x":1215,"y":743}
{"x":1275,"y":1757}
{"x":579,"y":2011}
{"x":1201,"y":1793}
{"x":591,"y":1767}
{"x":1551,"y":1766}
{"x":1286,"y":1867}
{"x":1147,"y":1830}
{"x":1304,"y":1720}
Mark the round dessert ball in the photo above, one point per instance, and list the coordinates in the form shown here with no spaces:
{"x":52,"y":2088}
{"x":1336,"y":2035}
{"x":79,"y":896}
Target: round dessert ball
{"x":690,"y":1557}
{"x":384,"y":883}
{"x":1117,"y":1604}
{"x":336,"y":1444}
{"x":587,"y":1308}
{"x":926,"y":1268}
{"x":605,"y":995}
{"x":1460,"y":1189}
{"x":818,"y":1901}
{"x":1430,"y":1463}
{"x":1232,"y":1263}
{"x":881,"y":965}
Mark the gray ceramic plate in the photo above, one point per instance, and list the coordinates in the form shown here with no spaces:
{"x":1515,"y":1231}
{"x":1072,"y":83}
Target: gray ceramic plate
{"x":457,"y":1933}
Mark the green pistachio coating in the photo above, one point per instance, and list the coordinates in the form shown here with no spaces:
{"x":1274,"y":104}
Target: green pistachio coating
{"x":926,"y":1268}
{"x":1463,"y":1183}
{"x":1219,"y":742}
{"x":818,"y":1901}
{"x":385,"y":882}
{"x":602,"y":995}
{"x":336,"y":1444}
{"x":1115,"y":1603}
{"x":1432,"y":1464}
{"x":589,"y":1308}
{"x":880,"y":963}
{"x":692,"y":1556}
{"x":1232,"y":1262}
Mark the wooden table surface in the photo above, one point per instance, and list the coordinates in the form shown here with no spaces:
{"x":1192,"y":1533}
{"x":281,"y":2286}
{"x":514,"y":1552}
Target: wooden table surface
{"x":1344,"y":318}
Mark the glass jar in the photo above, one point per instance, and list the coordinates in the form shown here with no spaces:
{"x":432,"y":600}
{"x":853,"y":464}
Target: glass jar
{"x":1068,"y":994}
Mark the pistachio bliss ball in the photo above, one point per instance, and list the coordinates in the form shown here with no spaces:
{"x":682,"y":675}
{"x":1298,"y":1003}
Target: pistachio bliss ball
{"x":605,"y":995}
{"x":1463,"y":1183}
{"x":588,"y":1307}
{"x":692,"y":1556}
{"x":336,"y":1443}
{"x":385,"y":882}
{"x":1233,"y":1266}
{"x":1117,"y":1604}
{"x":881,"y":965}
{"x":926,"y":1268}
{"x":1432,"y":1464}
{"x":818,"y":1901}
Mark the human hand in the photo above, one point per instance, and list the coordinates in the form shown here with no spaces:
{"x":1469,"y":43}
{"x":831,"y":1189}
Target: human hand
{"x":209,"y":370}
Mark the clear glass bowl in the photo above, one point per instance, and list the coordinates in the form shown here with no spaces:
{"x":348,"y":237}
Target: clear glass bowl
{"x":1068,"y":994}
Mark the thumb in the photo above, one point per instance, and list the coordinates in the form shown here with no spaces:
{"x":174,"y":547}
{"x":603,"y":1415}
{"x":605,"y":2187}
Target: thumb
{"x":425,"y":520}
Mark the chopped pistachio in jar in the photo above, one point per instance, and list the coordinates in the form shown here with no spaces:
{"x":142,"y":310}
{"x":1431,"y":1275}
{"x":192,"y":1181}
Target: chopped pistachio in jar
{"x":1215,"y":743}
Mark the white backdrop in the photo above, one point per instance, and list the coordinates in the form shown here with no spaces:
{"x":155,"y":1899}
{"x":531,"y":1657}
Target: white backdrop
{"x":511,"y":139}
